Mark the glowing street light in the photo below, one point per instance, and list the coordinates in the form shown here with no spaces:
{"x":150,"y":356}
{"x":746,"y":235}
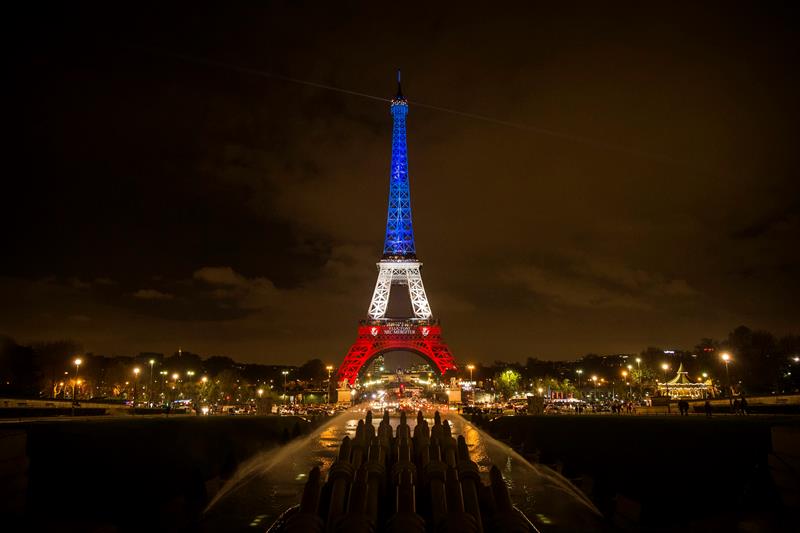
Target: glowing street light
{"x":639,"y":371}
{"x":665,"y":367}
{"x":329,"y":368}
{"x":625,"y":376}
{"x":726,"y":358}
{"x":150,"y":390}
{"x":594,"y":379}
{"x":136,"y":371}
{"x":77,"y":362}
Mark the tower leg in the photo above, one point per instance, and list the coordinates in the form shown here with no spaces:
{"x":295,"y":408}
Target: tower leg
{"x":380,"y":297}
{"x":416,"y":291}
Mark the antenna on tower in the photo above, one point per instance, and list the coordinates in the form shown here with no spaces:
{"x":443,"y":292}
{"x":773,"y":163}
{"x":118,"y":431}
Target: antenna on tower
{"x":399,"y":90}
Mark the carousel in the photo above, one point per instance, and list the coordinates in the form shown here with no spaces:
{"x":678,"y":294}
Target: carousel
{"x":681,"y":387}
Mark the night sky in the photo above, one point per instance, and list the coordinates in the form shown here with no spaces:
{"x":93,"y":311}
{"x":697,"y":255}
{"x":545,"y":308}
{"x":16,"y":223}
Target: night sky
{"x":155,"y":199}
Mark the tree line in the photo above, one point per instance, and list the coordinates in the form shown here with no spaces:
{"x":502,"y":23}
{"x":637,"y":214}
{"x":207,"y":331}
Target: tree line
{"x":760,"y":362}
{"x":48,"y":370}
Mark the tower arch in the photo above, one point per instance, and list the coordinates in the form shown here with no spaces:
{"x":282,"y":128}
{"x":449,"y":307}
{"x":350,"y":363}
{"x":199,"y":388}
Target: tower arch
{"x":375,"y":339}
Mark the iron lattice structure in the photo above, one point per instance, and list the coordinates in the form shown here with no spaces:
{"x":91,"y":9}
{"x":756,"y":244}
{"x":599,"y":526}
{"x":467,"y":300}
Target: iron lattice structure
{"x":399,"y":266}
{"x":401,"y":273}
{"x":399,"y":243}
{"x":423,"y":339}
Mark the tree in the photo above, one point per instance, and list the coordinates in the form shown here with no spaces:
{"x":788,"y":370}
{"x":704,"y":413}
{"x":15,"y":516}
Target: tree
{"x":52,"y":359}
{"x":508,"y":382}
{"x":183,"y":361}
{"x":217,"y":363}
{"x":19,"y":375}
{"x":312,"y":370}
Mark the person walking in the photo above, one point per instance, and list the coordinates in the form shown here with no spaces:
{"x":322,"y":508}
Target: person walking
{"x":707,"y":407}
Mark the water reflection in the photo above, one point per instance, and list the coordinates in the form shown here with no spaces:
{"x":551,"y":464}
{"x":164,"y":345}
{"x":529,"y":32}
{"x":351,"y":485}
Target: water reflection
{"x":270,"y":483}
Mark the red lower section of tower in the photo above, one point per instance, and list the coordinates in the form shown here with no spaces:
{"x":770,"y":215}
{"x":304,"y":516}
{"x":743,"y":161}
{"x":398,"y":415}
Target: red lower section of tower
{"x":381,"y":337}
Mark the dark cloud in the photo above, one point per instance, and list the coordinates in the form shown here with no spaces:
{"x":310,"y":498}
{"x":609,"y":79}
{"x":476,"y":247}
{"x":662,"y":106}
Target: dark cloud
{"x":153,"y":202}
{"x":152,"y":294}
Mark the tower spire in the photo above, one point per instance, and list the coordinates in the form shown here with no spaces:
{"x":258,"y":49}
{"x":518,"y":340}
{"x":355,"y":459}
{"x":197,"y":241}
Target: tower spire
{"x":399,"y":88}
{"x":399,"y":242}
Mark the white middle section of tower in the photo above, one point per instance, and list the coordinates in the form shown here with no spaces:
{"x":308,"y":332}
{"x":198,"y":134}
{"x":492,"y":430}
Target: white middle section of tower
{"x":399,"y":273}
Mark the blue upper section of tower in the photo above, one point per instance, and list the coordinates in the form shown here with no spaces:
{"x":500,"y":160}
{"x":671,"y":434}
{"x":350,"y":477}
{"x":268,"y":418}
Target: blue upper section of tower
{"x":399,"y":243}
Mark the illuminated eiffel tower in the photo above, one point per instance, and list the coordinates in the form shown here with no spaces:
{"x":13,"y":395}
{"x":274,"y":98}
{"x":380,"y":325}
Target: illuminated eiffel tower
{"x":399,"y":266}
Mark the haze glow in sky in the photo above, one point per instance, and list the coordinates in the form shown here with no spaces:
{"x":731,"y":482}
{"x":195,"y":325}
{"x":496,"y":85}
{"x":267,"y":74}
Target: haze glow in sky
{"x":154,"y":203}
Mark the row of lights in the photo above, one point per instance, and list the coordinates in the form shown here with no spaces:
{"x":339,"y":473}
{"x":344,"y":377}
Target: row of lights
{"x":725,"y":356}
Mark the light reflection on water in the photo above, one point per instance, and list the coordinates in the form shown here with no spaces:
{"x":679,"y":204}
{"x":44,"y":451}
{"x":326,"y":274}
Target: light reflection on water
{"x":268,"y":484}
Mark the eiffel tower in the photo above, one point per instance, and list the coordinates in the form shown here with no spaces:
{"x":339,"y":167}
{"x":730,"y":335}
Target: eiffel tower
{"x":414,"y":330}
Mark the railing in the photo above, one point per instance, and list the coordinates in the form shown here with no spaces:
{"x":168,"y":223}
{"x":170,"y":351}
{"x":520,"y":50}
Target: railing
{"x":400,"y":323}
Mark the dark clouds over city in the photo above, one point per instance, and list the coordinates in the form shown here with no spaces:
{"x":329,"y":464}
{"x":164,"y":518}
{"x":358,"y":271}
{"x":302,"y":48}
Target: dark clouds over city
{"x":154,"y":202}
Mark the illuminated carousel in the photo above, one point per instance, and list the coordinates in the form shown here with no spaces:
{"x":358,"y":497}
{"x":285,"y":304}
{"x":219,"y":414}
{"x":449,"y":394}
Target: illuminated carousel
{"x":681,"y":387}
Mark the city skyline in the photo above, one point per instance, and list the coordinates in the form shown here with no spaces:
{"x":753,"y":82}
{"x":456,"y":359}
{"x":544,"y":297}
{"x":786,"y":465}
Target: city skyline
{"x":167,"y":202}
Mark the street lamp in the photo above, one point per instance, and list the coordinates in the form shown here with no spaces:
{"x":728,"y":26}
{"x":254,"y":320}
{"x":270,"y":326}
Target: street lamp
{"x":726,"y":358}
{"x":329,"y":368}
{"x":625,"y":375}
{"x":630,"y":382}
{"x":594,"y":379}
{"x":639,"y":371}
{"x":175,"y":377}
{"x":136,"y":371}
{"x":665,"y":367}
{"x":77,"y":363}
{"x":285,"y":373}
{"x":150,"y":390}
{"x":163,"y":382}
{"x":579,"y":372}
